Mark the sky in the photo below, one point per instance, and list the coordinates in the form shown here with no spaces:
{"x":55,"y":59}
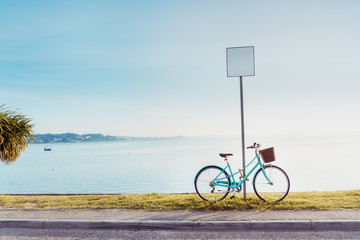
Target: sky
{"x":158,"y":68}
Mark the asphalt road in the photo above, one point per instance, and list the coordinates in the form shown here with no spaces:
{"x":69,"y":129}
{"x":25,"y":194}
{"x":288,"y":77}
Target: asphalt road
{"x":37,"y":234}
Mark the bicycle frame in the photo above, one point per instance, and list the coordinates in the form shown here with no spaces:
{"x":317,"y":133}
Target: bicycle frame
{"x":234,"y":184}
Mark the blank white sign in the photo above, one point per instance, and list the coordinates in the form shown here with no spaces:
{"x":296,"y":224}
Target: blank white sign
{"x":240,"y":61}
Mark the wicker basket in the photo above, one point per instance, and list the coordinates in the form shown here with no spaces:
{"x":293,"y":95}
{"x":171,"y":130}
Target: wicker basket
{"x":268,"y":155}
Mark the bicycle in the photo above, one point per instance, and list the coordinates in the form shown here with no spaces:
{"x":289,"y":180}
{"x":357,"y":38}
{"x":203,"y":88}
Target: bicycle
{"x":270,"y":183}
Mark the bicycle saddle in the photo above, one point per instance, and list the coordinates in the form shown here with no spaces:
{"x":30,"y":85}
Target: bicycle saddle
{"x":225,"y":154}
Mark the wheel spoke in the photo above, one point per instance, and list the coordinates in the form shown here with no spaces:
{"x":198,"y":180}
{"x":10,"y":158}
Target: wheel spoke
{"x":205,"y":187}
{"x":274,"y":191}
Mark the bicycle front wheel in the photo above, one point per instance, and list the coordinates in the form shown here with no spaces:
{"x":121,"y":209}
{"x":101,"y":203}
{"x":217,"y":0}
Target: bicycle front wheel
{"x":273,"y":188}
{"x":212,"y":183}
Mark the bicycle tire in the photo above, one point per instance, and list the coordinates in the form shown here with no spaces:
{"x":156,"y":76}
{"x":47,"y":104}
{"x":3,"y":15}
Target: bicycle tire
{"x":275,"y":191}
{"x":204,"y":187}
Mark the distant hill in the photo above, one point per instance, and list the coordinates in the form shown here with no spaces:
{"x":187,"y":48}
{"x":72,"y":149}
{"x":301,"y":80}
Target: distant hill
{"x":74,"y":138}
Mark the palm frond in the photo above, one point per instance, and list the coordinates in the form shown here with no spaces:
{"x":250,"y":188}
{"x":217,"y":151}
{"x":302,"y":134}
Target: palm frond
{"x":16,"y":131}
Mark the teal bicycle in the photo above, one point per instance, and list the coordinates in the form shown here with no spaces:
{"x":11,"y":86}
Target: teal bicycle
{"x":270,"y":183}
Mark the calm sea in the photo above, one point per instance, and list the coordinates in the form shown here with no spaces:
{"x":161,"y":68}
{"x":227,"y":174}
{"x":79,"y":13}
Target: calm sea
{"x":169,"y":166}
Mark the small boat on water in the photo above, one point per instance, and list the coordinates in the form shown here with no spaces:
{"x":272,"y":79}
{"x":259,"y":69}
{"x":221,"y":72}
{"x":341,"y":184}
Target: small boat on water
{"x":47,"y":149}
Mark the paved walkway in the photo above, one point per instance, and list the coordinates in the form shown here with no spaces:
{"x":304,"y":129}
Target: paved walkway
{"x":182,"y":220}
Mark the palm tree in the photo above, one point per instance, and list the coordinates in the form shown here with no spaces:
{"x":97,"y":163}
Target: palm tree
{"x":15,"y":133}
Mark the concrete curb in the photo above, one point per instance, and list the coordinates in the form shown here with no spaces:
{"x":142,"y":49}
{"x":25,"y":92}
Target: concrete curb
{"x":303,"y":225}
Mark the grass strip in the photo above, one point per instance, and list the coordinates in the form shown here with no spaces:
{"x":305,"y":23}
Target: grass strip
{"x":338,"y":200}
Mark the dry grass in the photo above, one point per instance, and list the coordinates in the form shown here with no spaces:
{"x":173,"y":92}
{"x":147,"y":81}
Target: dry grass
{"x":161,"y":202}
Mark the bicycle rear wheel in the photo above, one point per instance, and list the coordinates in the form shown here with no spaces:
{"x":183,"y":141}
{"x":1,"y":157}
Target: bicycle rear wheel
{"x":276,"y":189}
{"x":205,"y":180}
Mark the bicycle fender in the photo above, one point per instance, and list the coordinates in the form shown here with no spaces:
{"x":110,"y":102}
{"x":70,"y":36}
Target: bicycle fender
{"x":260,"y":169}
{"x":209,"y":166}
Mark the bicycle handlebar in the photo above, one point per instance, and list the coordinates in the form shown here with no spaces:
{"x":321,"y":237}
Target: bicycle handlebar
{"x":255,"y":145}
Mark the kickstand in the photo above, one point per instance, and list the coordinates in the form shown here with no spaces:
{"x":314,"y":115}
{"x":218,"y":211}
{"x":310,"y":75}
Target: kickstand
{"x":233,"y":195}
{"x":238,"y":190}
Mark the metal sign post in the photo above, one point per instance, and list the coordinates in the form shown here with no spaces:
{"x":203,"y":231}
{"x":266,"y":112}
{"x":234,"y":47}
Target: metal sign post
{"x":240,"y":61}
{"x":242,"y":134}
